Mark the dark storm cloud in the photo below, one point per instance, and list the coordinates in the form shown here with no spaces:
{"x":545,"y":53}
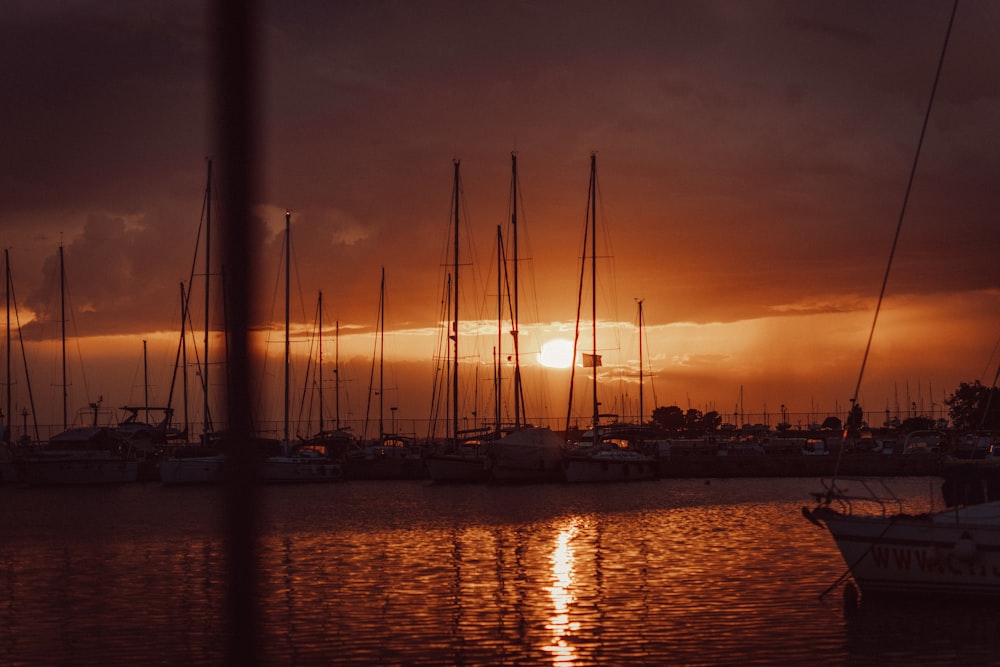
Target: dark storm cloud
{"x":745,"y":140}
{"x":98,"y":97}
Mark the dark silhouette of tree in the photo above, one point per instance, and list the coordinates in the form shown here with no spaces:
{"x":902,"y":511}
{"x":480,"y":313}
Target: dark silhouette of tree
{"x":711,"y":420}
{"x":669,"y":418}
{"x":974,"y":406}
{"x":693,"y":418}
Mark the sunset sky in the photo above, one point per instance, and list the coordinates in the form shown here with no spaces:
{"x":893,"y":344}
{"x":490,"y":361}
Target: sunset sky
{"x":752,"y":163}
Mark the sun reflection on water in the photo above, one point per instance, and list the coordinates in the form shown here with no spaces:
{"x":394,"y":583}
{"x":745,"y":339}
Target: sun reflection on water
{"x":563,"y":596}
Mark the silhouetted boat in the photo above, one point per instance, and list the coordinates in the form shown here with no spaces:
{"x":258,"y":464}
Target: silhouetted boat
{"x":300,"y":461}
{"x":609,"y":453}
{"x":81,"y":456}
{"x":202,"y":462}
{"x":526,"y":454}
{"x":606,"y":452}
{"x":389,"y":457}
{"x":953,"y":552}
{"x":461,"y":462}
{"x":193,"y":464}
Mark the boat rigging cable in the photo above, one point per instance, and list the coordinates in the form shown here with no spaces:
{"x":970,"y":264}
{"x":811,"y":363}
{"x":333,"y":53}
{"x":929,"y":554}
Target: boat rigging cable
{"x":899,"y":225}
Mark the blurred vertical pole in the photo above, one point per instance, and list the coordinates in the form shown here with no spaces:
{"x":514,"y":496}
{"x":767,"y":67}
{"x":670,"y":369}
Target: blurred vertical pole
{"x":234,"y":70}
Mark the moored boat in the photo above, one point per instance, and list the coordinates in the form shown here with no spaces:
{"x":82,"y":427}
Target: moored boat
{"x":390,"y":457}
{"x":526,"y":454}
{"x":952,"y":552}
{"x":82,"y":456}
{"x":193,"y":464}
{"x":463,"y":462}
{"x":608,"y":454}
{"x":300,"y":463}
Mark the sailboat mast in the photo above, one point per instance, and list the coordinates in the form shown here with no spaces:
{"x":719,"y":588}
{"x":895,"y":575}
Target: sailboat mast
{"x":320,"y":318}
{"x":514,"y":297}
{"x":205,"y":425}
{"x":336,"y":374}
{"x":381,"y":355}
{"x":62,"y":318}
{"x":184,"y":376}
{"x":454,"y":323}
{"x":145,"y":380}
{"x":9,"y":418}
{"x":288,"y":254}
{"x":641,"y":412}
{"x":8,"y":423}
{"x":497,"y":365}
{"x":593,"y":278}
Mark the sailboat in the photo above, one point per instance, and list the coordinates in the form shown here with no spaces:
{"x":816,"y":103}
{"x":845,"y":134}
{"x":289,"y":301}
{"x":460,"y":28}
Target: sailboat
{"x":12,"y":452}
{"x":389,"y":455}
{"x":524,"y":453}
{"x":337,"y":441}
{"x":203,"y":462}
{"x":953,"y":552}
{"x":606,"y":452}
{"x":462,"y":459}
{"x":93,"y":454}
{"x":152,"y":434}
{"x":299,"y":461}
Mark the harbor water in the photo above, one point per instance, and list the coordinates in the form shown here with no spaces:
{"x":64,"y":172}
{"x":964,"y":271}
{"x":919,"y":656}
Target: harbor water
{"x":679,"y":571}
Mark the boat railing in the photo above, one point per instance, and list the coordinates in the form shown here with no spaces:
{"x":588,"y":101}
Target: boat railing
{"x":874,"y":495}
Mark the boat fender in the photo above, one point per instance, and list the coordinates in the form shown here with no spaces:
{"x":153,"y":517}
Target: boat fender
{"x":850,"y":599}
{"x":964,"y":549}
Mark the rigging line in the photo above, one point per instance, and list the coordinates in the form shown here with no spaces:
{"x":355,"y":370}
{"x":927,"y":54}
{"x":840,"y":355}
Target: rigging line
{"x":850,"y":568}
{"x":902,"y":214}
{"x":268,"y":340}
{"x":76,"y":339}
{"x":579,"y":305}
{"x":309,"y":377}
{"x":441,"y":352}
{"x":24,"y":356}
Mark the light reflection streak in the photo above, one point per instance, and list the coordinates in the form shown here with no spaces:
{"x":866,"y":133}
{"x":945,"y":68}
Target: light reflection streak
{"x":563,"y":596}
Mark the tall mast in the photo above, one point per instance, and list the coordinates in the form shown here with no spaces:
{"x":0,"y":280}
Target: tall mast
{"x":184,"y":377}
{"x":642,"y":414}
{"x":145,"y":380}
{"x":593,"y":279}
{"x":336,"y":375}
{"x":320,"y":308}
{"x":288,"y":254}
{"x":205,"y":423}
{"x":514,"y":297}
{"x":62,"y":318}
{"x":454,"y":323}
{"x":497,"y":366}
{"x":8,"y":423}
{"x":381,"y":353}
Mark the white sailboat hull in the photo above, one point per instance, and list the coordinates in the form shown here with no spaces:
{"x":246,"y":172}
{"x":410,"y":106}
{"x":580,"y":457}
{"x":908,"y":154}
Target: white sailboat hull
{"x":954,"y":552}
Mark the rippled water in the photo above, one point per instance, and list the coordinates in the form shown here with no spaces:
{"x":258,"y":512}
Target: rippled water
{"x":408,"y":573}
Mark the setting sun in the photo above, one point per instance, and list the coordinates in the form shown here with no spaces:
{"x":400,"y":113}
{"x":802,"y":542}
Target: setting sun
{"x":556,"y":353}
